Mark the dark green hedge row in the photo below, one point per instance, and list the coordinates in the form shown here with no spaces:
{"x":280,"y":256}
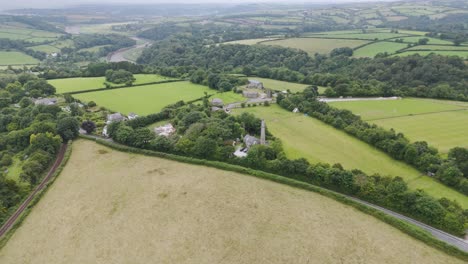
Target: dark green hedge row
{"x":405,"y":227}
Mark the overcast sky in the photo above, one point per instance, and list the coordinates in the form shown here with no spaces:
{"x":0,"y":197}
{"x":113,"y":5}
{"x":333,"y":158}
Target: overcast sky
{"x":13,"y":4}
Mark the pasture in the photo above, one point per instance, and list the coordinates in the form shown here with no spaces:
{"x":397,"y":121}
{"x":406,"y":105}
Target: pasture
{"x":316,"y":45}
{"x":316,"y":141}
{"x":16,"y":58}
{"x":463,"y":54}
{"x":146,"y":99}
{"x":379,"y":47}
{"x":80,"y":84}
{"x":280,"y":85}
{"x":114,"y":207}
{"x":249,"y":41}
{"x":442,"y":124}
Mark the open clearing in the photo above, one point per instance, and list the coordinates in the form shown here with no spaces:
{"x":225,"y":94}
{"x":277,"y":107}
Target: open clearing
{"x":442,"y":124}
{"x":80,"y":84}
{"x":316,"y":45}
{"x":146,"y":99}
{"x":316,"y":141}
{"x":379,"y":47}
{"x":114,"y":207}
{"x":249,"y":41}
{"x":280,"y":85}
{"x":16,"y":58}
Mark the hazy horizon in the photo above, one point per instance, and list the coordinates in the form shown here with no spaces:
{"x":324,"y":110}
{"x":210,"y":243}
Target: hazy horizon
{"x":22,"y":4}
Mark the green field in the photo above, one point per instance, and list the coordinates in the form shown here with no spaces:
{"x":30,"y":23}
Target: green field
{"x":378,"y":47}
{"x":146,"y":99}
{"x":16,"y":58}
{"x":133,"y":54}
{"x":316,"y":45}
{"x":439,"y":47}
{"x":431,"y":40}
{"x":229,"y":97}
{"x":363,"y":36}
{"x":443,"y":124}
{"x":463,"y":54}
{"x":79,"y":84}
{"x":45,"y":48}
{"x":249,"y":41}
{"x":280,"y":85}
{"x":316,"y":141}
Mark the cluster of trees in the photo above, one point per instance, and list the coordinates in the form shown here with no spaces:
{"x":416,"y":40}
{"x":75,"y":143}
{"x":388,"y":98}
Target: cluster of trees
{"x":117,"y":41}
{"x":30,"y":135}
{"x":220,"y":82}
{"x":120,"y":76}
{"x":209,"y":135}
{"x":418,"y":154}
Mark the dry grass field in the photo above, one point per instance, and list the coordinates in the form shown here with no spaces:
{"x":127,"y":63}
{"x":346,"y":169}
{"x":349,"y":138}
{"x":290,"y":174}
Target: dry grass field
{"x":114,"y":207}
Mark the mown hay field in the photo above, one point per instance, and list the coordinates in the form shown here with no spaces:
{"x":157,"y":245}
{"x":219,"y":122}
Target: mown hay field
{"x":68,"y":85}
{"x":316,"y":45}
{"x":16,"y":58}
{"x":443,"y":124}
{"x":306,"y":137}
{"x":378,"y":47}
{"x":146,"y":99}
{"x":114,"y":207}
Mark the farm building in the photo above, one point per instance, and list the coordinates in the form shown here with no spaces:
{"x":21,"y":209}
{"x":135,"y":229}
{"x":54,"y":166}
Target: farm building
{"x":217,"y":102}
{"x":250,"y":94}
{"x":132,"y":116}
{"x":116,"y":117}
{"x":165,"y":130}
{"x":254,"y":84}
{"x":46,"y":101}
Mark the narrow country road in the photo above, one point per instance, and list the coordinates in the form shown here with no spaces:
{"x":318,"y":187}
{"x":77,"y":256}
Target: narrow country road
{"x":9,"y":223}
{"x":439,"y":234}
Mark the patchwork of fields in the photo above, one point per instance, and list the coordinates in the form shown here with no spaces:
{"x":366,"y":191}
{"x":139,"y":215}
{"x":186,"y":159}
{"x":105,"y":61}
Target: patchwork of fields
{"x":366,"y":43}
{"x":127,"y":208}
{"x":316,"y":141}
{"x":443,"y":124}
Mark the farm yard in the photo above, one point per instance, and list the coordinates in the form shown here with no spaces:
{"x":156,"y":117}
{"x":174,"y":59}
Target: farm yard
{"x":307,"y":137}
{"x":112,"y":209}
{"x":80,"y":84}
{"x":442,"y":124}
{"x":146,"y":99}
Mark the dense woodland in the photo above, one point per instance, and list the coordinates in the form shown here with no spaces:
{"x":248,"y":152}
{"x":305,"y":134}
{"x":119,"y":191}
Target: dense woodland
{"x":29,"y":133}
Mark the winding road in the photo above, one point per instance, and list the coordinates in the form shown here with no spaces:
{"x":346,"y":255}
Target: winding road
{"x":118,"y":56}
{"x":10,"y":222}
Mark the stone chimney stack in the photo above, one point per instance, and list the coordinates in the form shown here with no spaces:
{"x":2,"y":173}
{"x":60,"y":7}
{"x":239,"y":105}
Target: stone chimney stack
{"x":262,"y":134}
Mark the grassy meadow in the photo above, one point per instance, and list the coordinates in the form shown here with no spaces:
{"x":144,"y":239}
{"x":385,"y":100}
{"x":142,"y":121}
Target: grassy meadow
{"x":442,"y":124}
{"x":16,"y":58}
{"x":114,"y":207}
{"x":146,"y":99}
{"x":316,"y":141}
{"x":378,"y":47}
{"x":280,"y":85}
{"x":80,"y":84}
{"x":316,"y":45}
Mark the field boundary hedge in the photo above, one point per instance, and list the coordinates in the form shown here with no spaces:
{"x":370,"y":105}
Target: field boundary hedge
{"x":121,"y":87}
{"x":403,"y":226}
{"x":38,"y":196}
